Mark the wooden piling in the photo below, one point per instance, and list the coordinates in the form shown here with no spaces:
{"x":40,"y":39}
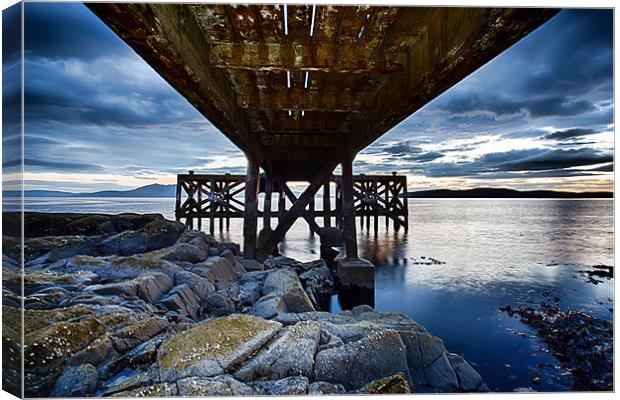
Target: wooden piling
{"x":250,"y":216}
{"x":267,"y":202}
{"x":348,"y":209}
{"x":326,"y":205}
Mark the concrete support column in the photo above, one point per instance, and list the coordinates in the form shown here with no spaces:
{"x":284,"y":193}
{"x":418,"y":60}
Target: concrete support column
{"x":348,"y":208}
{"x":267,"y":204}
{"x":250,"y":216}
{"x":326,"y":206}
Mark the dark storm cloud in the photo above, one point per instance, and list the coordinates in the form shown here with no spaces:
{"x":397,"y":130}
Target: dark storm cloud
{"x":543,"y":159}
{"x":407,"y":152}
{"x":581,"y":60}
{"x":61,"y":31}
{"x":570,"y":133}
{"x":49,"y":165}
{"x":543,"y":107}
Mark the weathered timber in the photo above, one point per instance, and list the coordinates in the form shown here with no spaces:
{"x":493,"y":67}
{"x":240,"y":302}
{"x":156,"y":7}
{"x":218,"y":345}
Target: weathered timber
{"x":286,"y":98}
{"x":250,"y":215}
{"x":348,"y":209}
{"x":223,"y":197}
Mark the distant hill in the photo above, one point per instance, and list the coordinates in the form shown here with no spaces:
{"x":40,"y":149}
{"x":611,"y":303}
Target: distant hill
{"x":507,"y":193}
{"x":157,"y":190}
{"x":154,"y":190}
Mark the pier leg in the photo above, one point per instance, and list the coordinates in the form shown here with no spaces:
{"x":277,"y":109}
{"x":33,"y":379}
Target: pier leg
{"x":348,"y":209}
{"x":326,"y":206}
{"x":267,"y":204}
{"x":311,"y":215}
{"x":250,"y":216}
{"x":281,"y":205}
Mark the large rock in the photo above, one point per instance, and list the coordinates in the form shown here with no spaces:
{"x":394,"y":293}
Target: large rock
{"x":115,"y":268}
{"x":290,"y":354}
{"x":213,"y":347}
{"x":219,"y":271}
{"x":152,"y":287}
{"x":223,"y":385}
{"x":468,"y":378}
{"x":356,"y":273}
{"x":325,"y":388}
{"x":156,"y":390}
{"x":285,"y":283}
{"x":138,"y":332}
{"x":127,"y":379}
{"x":395,"y":384}
{"x":355,"y":364}
{"x":290,"y":386}
{"x":183,"y":300}
{"x":219,"y":304}
{"x":79,"y":381}
{"x":155,"y":235}
{"x":269,"y":306}
{"x":199,"y":285}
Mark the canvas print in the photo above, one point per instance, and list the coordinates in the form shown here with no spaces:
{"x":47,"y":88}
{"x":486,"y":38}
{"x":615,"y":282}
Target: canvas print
{"x":221,"y":199}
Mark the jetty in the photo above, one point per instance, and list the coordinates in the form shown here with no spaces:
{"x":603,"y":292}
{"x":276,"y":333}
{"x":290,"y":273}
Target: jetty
{"x":301,"y":89}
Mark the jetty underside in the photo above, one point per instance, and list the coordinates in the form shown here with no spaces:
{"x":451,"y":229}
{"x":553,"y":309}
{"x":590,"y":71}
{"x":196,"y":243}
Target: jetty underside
{"x":301,"y":89}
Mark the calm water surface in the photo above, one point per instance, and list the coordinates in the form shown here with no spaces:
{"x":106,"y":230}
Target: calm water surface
{"x":494,"y":252}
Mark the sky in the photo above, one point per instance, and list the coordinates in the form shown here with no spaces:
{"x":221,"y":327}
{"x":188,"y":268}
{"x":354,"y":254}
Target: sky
{"x":539,"y":116}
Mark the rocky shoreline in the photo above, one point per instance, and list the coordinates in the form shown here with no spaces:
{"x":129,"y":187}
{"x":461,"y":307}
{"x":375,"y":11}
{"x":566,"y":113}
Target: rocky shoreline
{"x":583,"y":344}
{"x":135,"y":305}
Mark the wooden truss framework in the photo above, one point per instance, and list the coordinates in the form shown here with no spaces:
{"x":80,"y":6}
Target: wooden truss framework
{"x":222,"y":197}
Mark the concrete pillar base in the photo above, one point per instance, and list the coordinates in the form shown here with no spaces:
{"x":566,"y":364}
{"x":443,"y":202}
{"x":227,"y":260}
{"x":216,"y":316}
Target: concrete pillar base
{"x":356,"y":273}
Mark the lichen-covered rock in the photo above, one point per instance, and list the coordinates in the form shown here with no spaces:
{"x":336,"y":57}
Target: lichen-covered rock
{"x":223,"y":385}
{"x":213,"y":347}
{"x":127,"y":379}
{"x":395,"y":384}
{"x":115,"y":268}
{"x":78,"y":381}
{"x":138,"y":332}
{"x":156,"y":390}
{"x":290,"y":354}
{"x":355,"y":364}
{"x":285,"y":283}
{"x":155,"y":235}
{"x":289,"y":386}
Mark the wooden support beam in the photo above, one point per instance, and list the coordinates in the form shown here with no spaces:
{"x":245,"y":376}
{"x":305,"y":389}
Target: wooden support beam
{"x":314,"y":227}
{"x":348,"y":208}
{"x":267,"y":202}
{"x":279,"y":57}
{"x":297,"y":210}
{"x":251,"y":209}
{"x":326,"y":205}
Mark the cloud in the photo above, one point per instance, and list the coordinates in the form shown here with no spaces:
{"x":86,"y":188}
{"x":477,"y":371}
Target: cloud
{"x":543,"y":159}
{"x":570,"y":133}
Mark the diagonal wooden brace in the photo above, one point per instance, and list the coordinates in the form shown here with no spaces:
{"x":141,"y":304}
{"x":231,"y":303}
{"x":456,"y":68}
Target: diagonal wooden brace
{"x":289,"y":193}
{"x":297,"y":210}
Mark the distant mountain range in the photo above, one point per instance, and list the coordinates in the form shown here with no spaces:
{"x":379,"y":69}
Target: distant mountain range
{"x":157,"y":190}
{"x":154,"y":190}
{"x":507,"y":194}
